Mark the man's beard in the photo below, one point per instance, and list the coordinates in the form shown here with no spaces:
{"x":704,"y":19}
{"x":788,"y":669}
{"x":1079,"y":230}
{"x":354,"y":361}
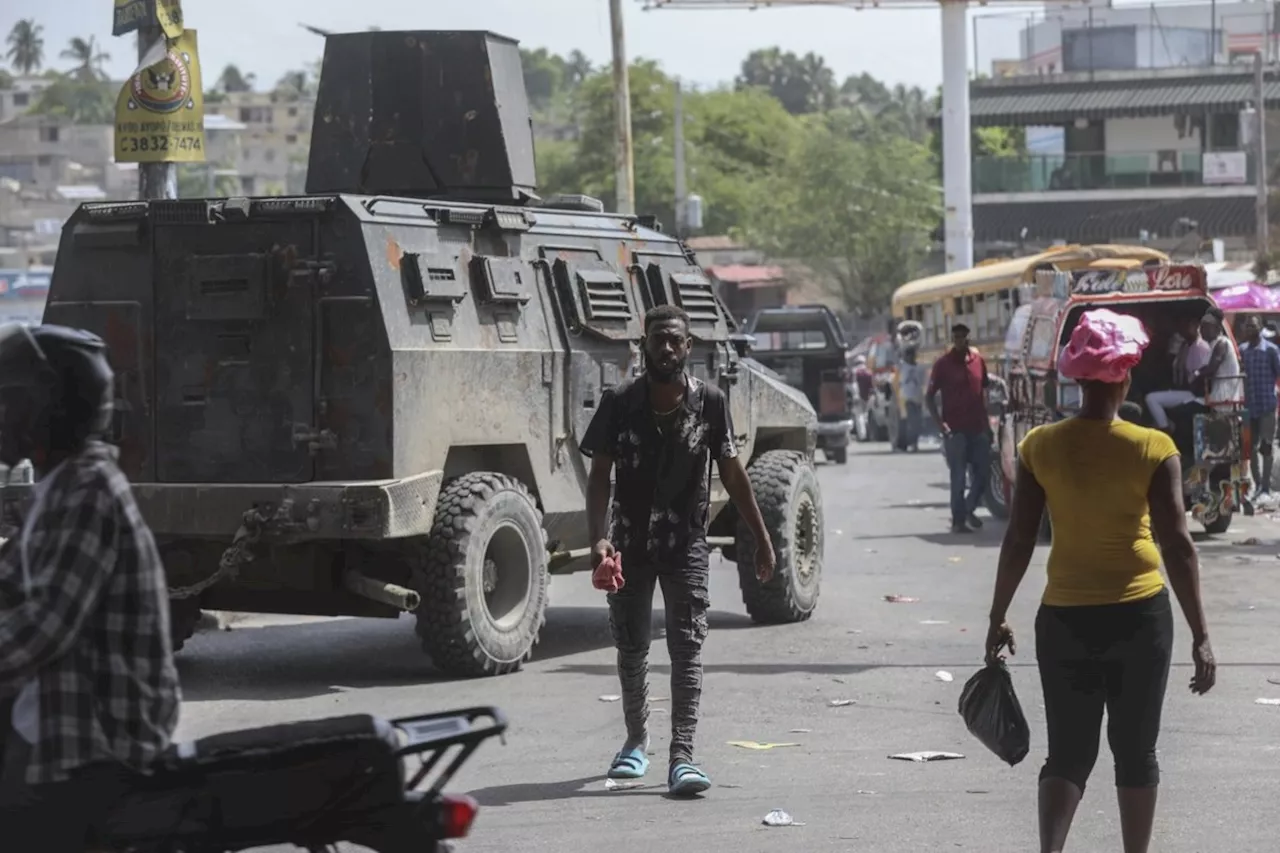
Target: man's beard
{"x":657,"y":374}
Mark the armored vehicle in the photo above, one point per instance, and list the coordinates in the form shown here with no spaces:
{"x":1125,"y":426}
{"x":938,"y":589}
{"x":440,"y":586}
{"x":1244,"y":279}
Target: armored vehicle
{"x":367,"y":400}
{"x":807,"y":346}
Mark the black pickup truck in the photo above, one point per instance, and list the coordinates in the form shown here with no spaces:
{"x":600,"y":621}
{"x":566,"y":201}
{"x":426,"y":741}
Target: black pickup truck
{"x":808,"y":347}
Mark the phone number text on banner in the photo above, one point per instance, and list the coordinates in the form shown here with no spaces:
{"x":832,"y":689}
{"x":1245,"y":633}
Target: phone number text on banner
{"x":160,"y":111}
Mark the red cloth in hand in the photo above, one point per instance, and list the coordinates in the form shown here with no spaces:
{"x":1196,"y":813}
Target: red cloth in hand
{"x":608,"y":575}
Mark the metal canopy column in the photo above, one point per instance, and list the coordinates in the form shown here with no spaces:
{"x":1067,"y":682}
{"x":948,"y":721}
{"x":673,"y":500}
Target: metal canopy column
{"x":957,"y":163}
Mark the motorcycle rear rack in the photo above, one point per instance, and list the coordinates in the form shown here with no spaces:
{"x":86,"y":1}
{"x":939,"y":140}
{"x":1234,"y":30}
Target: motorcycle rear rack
{"x":438,"y":733}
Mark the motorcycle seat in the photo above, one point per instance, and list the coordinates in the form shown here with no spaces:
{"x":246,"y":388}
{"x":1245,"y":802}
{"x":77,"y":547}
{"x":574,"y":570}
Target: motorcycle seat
{"x":229,"y":786}
{"x":292,"y":738}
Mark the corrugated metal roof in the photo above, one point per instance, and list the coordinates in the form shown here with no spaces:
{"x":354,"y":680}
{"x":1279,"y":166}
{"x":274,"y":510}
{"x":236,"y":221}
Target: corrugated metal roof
{"x":1089,"y":221}
{"x":1038,"y":102}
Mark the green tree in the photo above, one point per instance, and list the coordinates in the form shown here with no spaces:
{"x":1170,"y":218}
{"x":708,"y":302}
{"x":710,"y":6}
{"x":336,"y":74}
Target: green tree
{"x":857,"y":207}
{"x":82,"y":101}
{"x":26,"y":46}
{"x":732,"y":138}
{"x":804,"y":84}
{"x":544,"y":76}
{"x":89,"y":59}
{"x":296,"y":84}
{"x":232,"y":80}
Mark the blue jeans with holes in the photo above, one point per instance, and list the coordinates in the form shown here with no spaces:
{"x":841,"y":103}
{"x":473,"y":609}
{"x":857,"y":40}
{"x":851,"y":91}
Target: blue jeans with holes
{"x":967,"y":452}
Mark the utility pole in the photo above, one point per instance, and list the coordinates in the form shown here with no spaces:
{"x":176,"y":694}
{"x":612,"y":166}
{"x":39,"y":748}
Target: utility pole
{"x":682,"y":189}
{"x":155,"y":180}
{"x":1260,"y":152}
{"x":625,"y":178}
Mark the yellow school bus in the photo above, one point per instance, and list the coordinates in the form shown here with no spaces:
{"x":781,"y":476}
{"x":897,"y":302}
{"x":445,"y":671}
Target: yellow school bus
{"x":985,"y":297}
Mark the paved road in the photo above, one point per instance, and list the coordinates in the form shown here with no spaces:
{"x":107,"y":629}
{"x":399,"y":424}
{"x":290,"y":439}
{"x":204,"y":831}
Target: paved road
{"x":886,"y":534}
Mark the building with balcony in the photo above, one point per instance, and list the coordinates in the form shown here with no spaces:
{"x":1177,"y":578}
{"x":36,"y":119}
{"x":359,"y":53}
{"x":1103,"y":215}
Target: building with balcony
{"x":1160,"y":156}
{"x":1138,"y":127}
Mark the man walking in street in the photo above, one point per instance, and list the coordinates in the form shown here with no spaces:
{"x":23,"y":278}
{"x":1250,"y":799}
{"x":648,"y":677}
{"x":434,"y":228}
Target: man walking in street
{"x":88,"y":690}
{"x":1261,"y":362}
{"x":911,"y":385}
{"x":960,"y":377}
{"x":660,"y":432}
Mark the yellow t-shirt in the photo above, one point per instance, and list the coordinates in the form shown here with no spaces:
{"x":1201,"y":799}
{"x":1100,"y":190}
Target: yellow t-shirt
{"x":1096,"y":475}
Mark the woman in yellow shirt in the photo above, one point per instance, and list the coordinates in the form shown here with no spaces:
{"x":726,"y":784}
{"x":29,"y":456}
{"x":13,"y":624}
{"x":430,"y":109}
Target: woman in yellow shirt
{"x":1104,"y":632}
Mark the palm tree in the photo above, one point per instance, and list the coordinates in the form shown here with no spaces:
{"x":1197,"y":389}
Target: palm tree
{"x":294,"y":84}
{"x":26,"y":47}
{"x":88,"y":58}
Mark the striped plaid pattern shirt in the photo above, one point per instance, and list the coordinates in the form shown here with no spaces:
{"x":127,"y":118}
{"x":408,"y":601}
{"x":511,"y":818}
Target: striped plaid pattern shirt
{"x":91,"y":624}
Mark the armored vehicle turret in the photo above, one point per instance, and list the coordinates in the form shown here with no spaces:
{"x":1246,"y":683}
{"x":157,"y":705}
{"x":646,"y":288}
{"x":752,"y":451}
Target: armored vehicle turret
{"x":367,"y":400}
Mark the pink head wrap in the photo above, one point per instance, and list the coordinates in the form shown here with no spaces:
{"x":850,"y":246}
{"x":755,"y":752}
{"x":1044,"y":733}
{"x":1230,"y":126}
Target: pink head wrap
{"x":1104,"y":347}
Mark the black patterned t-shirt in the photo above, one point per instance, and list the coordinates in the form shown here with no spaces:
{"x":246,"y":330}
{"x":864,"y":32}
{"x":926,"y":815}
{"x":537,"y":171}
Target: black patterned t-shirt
{"x":661,"y":503}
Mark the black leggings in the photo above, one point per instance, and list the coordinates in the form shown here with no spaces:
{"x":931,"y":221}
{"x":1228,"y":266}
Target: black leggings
{"x":1114,"y":656}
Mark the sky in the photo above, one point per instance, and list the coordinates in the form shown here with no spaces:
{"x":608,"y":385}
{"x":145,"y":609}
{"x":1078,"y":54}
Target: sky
{"x":702,"y":47}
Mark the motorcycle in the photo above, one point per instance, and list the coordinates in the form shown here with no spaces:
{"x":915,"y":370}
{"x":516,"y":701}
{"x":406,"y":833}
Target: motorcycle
{"x":311,"y":784}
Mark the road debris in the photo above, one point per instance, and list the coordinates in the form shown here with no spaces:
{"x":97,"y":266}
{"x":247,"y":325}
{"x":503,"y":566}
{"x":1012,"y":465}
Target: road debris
{"x":609,"y":698}
{"x":778,"y":817}
{"x":619,"y":785}
{"x":927,"y":755}
{"x":900,"y":599}
{"x":751,"y":744}
{"x":842,"y":703}
{"x":954,"y":559}
{"x":1252,"y":540}
{"x":934,"y":622}
{"x":800,"y":731}
{"x":943,"y":675}
{"x":1266,"y":701}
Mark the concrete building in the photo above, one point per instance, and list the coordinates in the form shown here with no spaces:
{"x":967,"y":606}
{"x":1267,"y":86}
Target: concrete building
{"x":1137,"y":126}
{"x":21,"y":96}
{"x":275,"y":142}
{"x":44,"y":152}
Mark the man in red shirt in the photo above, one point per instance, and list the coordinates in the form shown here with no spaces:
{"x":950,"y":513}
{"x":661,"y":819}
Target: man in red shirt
{"x":960,"y":376}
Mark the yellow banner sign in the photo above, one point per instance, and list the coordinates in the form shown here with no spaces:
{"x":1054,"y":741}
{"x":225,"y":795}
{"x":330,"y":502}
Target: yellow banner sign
{"x":169,"y":16}
{"x":131,"y":15}
{"x":160,"y":111}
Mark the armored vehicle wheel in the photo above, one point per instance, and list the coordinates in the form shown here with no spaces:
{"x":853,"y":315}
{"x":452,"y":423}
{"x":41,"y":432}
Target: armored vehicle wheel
{"x":786,"y":489}
{"x":184,"y":615}
{"x":482,"y":575}
{"x":838,"y":455}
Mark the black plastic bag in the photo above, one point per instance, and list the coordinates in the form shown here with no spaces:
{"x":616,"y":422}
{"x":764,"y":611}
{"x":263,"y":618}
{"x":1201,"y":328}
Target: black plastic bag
{"x":993,"y":714}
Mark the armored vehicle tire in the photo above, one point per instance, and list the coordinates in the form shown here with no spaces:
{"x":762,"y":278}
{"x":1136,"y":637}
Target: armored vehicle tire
{"x":786,"y":489}
{"x":482,"y":575}
{"x":184,"y":616}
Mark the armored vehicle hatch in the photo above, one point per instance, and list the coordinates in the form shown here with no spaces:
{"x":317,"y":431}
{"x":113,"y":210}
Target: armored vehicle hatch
{"x":424,"y":114}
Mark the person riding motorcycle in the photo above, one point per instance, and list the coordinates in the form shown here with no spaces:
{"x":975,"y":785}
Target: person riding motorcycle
{"x":88,"y":690}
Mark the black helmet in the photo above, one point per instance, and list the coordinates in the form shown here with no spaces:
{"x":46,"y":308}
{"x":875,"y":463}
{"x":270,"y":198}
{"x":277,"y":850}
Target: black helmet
{"x":68,"y":368}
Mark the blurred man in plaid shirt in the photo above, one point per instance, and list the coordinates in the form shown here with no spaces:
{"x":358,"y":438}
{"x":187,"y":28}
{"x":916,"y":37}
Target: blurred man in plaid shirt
{"x":1261,"y":362}
{"x":88,"y":691}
